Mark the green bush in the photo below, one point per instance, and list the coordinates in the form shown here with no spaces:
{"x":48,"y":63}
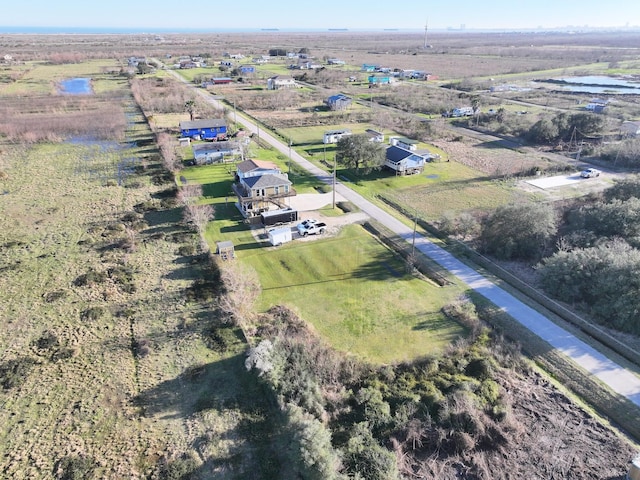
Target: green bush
{"x":14,"y":372}
{"x":74,"y":468}
{"x":92,"y":314}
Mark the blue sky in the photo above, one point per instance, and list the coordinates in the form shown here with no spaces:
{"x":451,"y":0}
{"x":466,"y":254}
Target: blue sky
{"x":322,"y":14}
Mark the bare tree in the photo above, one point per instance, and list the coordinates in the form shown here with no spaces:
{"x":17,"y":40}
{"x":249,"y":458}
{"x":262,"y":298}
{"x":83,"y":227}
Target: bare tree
{"x":199,"y":216}
{"x":242,"y":289}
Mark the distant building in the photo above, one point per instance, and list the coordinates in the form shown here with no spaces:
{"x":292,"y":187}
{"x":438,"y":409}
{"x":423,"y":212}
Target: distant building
{"x":374,"y":135}
{"x":405,"y":162}
{"x":280,"y":81}
{"x":332,"y":136}
{"x":406,"y":143}
{"x":206,"y":129}
{"x":217,"y":152}
{"x":596,"y":105}
{"x":338,"y":102}
{"x":630,"y":128}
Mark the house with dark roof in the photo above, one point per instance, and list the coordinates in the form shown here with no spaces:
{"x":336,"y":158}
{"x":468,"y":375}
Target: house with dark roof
{"x":374,"y":135}
{"x":255,"y":168}
{"x":338,"y":102}
{"x":405,"y":162}
{"x":205,"y":129}
{"x":261,"y":187}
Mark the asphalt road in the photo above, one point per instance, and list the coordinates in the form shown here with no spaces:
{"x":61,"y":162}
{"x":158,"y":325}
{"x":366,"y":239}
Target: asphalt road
{"x":619,"y":379}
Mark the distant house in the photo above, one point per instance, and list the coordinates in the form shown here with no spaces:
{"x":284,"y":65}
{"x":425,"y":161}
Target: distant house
{"x":261,"y":187}
{"x":221,"y":80}
{"x":630,"y":128}
{"x":406,"y":143}
{"x":205,"y":129}
{"x":596,"y":105}
{"x":306,"y":64}
{"x":280,"y":81}
{"x":405,"y":162}
{"x":338,"y":102}
{"x":379,"y":80}
{"x":335,"y":61}
{"x":369,"y":68}
{"x":218,"y":152}
{"x":374,"y":135}
{"x":332,"y":136}
{"x":247,"y":69}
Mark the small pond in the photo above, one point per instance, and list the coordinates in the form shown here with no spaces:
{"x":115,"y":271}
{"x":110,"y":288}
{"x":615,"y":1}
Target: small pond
{"x":599,"y":84}
{"x":76,"y":86}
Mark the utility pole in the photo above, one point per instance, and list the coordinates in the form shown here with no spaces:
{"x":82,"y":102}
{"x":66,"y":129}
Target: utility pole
{"x":413,"y":243}
{"x":235,"y":117}
{"x":334,"y":181}
{"x":426,"y":27}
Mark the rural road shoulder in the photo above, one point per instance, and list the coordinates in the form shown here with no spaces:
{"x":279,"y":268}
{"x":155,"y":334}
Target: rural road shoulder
{"x":619,"y":379}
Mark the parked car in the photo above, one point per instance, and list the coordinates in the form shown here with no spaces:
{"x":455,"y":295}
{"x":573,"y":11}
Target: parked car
{"x":590,"y":173}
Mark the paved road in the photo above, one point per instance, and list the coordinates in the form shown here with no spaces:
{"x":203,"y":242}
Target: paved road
{"x":616,"y":377}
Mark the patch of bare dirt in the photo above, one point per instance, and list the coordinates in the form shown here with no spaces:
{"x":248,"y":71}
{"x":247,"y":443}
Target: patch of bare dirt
{"x":492,"y":161}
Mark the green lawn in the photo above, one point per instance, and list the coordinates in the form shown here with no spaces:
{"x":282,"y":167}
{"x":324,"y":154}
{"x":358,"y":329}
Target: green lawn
{"x":351,"y":288}
{"x":356,"y":294}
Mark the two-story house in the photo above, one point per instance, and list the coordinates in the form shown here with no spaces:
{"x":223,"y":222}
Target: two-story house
{"x":261,"y":186}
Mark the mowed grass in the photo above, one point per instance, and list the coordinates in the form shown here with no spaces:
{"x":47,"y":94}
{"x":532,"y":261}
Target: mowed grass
{"x":351,"y":288}
{"x":356,"y":294}
{"x":442,"y":188}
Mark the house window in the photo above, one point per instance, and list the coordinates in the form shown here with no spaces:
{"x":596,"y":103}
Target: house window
{"x":276,"y":190}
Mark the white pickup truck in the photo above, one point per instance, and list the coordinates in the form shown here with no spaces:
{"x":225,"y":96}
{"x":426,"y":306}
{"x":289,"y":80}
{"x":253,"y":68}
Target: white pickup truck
{"x":311,"y":227}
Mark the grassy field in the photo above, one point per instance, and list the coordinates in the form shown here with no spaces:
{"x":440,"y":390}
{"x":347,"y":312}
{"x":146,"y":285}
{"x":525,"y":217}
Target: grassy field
{"x":358,"y":296}
{"x":106,"y":364}
{"x":376,"y":311}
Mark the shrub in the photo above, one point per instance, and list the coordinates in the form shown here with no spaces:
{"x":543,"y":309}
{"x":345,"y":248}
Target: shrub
{"x":46,"y":341}
{"x":92,"y":277}
{"x":14,"y":372}
{"x":74,"y":468}
{"x":51,"y":297}
{"x":93,"y":313}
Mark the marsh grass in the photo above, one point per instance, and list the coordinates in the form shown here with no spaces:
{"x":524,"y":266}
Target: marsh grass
{"x":97,"y":335}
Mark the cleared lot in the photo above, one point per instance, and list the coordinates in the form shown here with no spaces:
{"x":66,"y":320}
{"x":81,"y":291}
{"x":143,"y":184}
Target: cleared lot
{"x":558,"y":181}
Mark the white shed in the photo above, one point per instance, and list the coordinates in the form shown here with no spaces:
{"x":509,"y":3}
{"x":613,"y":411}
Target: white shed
{"x":278,"y":236}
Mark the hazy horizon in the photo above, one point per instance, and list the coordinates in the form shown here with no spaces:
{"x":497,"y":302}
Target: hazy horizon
{"x":404,"y":15}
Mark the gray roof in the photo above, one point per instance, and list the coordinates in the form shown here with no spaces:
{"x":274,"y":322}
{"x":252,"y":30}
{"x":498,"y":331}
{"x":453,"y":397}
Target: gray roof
{"x":204,"y":148}
{"x":266,"y":181}
{"x":250,"y":165}
{"x":203,"y":123}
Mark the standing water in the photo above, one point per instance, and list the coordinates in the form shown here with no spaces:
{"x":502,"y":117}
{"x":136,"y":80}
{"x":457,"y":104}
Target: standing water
{"x":76,"y":86}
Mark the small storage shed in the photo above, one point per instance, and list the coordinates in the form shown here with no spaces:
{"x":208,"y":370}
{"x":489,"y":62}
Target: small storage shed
{"x":225,"y":250}
{"x":278,"y":236}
